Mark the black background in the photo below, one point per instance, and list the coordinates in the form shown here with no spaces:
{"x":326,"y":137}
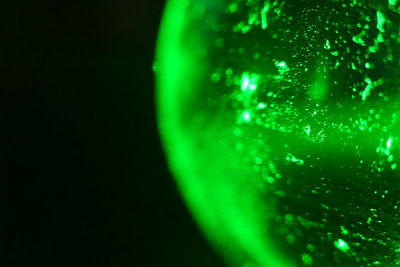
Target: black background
{"x":85,"y":181}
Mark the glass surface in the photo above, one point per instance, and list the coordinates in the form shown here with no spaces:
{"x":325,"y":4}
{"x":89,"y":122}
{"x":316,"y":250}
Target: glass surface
{"x":281,"y":123}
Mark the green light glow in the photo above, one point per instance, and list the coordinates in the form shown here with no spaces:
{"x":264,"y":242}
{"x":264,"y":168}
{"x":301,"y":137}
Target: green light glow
{"x":344,"y":230}
{"x":249,"y":82}
{"x":264,"y":11}
{"x":342,"y":245}
{"x":306,"y":259}
{"x":281,"y":124}
{"x":380,"y":21}
{"x":246,"y":116}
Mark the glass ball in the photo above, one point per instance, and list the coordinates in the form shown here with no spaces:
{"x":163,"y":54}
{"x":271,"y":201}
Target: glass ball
{"x":281,"y":123}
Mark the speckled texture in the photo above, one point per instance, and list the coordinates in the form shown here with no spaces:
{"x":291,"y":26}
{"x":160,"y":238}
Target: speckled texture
{"x":306,"y":94}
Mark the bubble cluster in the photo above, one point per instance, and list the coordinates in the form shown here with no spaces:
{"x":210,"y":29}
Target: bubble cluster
{"x":299,"y":101}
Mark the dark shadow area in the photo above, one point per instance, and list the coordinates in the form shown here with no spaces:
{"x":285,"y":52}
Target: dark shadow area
{"x":85,"y":182}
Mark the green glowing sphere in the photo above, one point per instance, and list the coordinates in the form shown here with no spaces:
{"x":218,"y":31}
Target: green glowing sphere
{"x":281,"y":123}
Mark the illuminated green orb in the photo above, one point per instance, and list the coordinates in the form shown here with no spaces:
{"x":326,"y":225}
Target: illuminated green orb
{"x":281,"y":123}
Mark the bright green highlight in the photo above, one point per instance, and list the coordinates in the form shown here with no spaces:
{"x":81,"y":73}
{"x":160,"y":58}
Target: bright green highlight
{"x":249,"y":81}
{"x":342,"y":245}
{"x":246,"y":116}
{"x":293,"y":159}
{"x":264,"y":23}
{"x":381,"y":21}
